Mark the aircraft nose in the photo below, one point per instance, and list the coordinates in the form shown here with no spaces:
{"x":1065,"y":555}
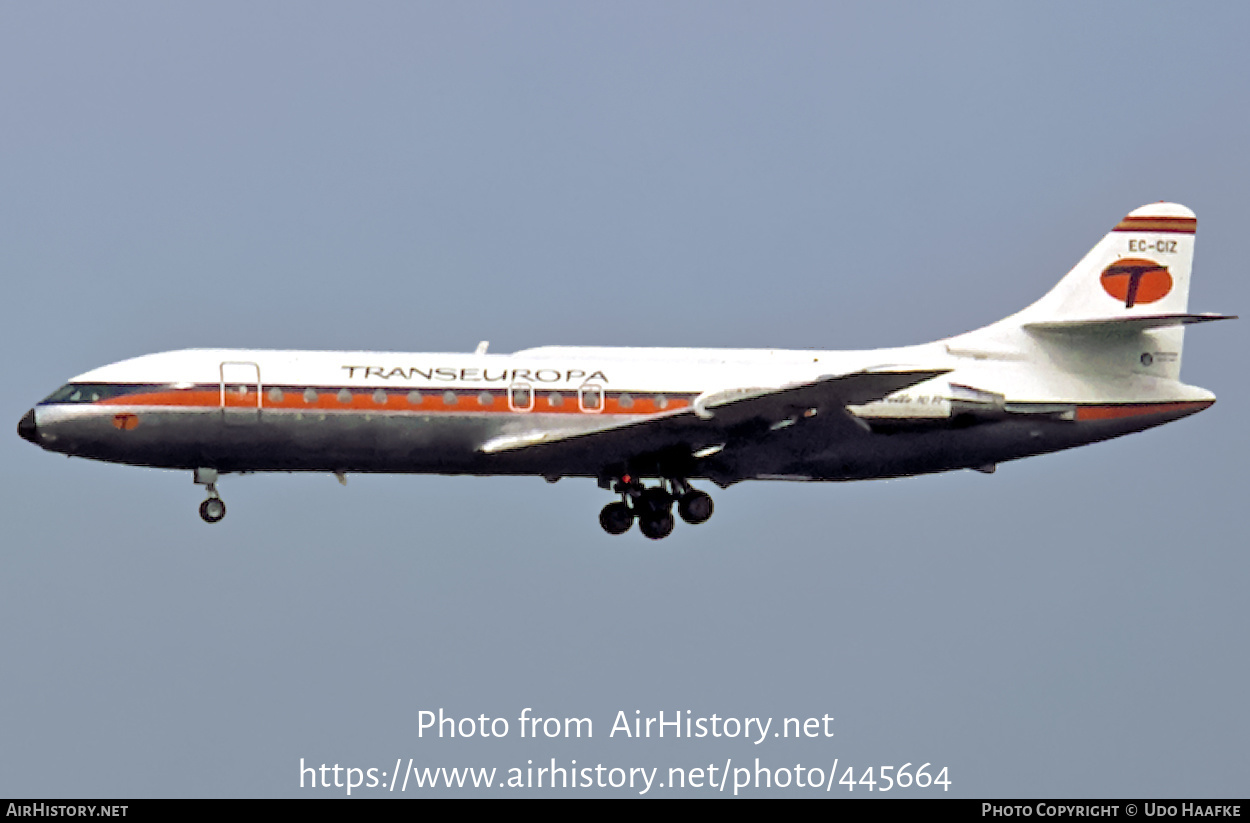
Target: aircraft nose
{"x":26,"y":428}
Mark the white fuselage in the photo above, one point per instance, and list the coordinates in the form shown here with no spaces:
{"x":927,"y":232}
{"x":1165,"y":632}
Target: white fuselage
{"x":256,"y":410}
{"x":1098,"y":356}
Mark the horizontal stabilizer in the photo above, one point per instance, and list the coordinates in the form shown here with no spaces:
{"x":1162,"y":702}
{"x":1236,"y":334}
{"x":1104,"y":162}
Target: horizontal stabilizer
{"x":1125,"y":325}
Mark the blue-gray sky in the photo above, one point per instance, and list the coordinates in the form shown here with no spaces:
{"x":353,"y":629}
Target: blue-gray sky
{"x":418,"y":177}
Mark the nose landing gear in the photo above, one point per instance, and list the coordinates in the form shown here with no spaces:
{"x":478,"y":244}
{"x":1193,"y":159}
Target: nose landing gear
{"x":214,"y":508}
{"x":653,"y":507}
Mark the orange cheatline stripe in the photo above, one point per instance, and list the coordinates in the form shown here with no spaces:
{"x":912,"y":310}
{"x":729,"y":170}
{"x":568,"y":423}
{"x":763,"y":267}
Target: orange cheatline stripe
{"x":467,"y":401}
{"x":1120,"y":410}
{"x":360,"y":400}
{"x":164,"y":398}
{"x":1174,"y":225}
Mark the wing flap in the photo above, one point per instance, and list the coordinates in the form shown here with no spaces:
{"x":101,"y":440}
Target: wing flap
{"x":828,"y":393}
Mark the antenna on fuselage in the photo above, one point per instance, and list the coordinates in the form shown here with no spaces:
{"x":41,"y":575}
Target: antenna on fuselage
{"x":481,"y":347}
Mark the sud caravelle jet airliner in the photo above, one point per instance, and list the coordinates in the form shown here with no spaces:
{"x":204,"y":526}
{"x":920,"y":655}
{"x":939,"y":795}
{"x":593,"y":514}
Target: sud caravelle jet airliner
{"x":1097,"y":357}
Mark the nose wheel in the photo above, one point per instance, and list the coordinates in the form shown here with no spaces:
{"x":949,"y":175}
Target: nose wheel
{"x":652,"y":507}
{"x":214,"y":508}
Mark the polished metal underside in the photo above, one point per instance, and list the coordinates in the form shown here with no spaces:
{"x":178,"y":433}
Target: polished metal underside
{"x":233,"y":440}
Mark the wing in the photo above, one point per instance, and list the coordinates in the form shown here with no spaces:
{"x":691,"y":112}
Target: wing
{"x":701,"y":440}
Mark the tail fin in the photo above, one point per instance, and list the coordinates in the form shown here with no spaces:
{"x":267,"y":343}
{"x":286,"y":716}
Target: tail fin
{"x":1124,"y":306}
{"x":1121,"y":309}
{"x":1140,"y":269}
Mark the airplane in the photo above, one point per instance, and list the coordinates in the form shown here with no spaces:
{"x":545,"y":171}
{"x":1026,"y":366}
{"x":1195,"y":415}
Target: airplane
{"x":1098,"y":356}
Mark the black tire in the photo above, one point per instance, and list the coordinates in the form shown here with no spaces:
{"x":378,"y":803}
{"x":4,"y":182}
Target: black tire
{"x":695,"y":507}
{"x":616,"y":518}
{"x":656,"y":526}
{"x":212,"y":510}
{"x":654,"y":501}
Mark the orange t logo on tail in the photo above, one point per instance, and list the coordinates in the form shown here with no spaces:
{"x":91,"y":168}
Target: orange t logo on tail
{"x":1134,"y":281}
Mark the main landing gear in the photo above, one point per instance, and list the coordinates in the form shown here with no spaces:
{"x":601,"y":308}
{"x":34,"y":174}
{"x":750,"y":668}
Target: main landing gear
{"x":653,"y":507}
{"x":214,"y":508}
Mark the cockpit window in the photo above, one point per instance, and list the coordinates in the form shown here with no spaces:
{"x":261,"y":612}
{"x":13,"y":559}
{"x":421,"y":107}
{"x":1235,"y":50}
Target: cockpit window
{"x":89,"y":392}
